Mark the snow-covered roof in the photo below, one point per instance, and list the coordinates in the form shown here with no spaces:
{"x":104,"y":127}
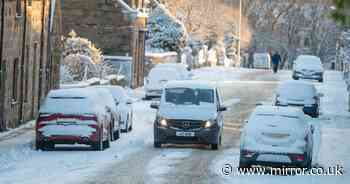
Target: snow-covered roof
{"x":160,"y":54}
{"x":117,"y":91}
{"x":117,"y":57}
{"x":190,"y":84}
{"x":297,"y":90}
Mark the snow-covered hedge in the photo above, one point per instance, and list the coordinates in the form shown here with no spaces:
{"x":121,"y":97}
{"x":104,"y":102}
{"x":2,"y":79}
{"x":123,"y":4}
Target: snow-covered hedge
{"x":165,"y":32}
{"x":81,"y":60}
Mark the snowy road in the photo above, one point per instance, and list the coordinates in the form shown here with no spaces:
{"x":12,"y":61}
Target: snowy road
{"x":132,"y":159}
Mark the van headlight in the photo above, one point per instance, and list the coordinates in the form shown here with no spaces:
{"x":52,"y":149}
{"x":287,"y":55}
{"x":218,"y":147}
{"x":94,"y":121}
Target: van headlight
{"x":163,"y":122}
{"x":209,"y":123}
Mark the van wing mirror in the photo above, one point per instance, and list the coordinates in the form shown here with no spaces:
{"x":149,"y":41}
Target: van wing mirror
{"x":222,"y":108}
{"x":155,"y":105}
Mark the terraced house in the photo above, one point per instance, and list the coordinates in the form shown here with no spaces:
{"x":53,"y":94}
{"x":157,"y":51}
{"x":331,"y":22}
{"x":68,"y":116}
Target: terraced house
{"x":29,"y":57}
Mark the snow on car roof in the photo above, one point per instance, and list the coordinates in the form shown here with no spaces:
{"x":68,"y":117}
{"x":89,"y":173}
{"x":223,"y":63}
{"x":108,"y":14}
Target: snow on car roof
{"x":70,"y":93}
{"x":296,"y":89}
{"x":116,"y":91}
{"x":278,"y":110}
{"x":72,"y":101}
{"x":308,"y":59}
{"x":190,"y":84}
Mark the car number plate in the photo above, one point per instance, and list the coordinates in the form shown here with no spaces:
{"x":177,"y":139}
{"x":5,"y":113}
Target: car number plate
{"x":185,"y":134}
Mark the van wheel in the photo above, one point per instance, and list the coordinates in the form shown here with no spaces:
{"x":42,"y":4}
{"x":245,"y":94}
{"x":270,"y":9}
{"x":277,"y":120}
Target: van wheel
{"x":214,"y":146}
{"x":157,"y":145}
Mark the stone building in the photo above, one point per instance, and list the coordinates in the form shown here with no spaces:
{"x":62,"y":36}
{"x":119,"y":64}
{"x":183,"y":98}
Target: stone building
{"x":117,"y":27}
{"x":29,"y":57}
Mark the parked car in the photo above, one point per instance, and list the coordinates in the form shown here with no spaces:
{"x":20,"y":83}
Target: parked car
{"x":300,"y":94}
{"x":158,"y":77}
{"x":106,"y":97}
{"x":124,"y":104}
{"x":276,"y":136}
{"x":262,"y":61}
{"x":189,"y":112}
{"x":73,"y":116}
{"x":308,"y":67}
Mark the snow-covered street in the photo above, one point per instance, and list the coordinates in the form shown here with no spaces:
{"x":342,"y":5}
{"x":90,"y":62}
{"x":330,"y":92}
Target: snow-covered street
{"x":133,"y":159}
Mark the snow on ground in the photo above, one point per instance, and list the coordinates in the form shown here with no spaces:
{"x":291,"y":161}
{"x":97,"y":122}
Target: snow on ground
{"x":165,"y":163}
{"x":220,"y":73}
{"x":333,"y":134}
{"x":20,"y":163}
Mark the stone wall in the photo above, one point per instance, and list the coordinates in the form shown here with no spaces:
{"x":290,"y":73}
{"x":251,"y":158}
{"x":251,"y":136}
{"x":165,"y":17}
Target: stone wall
{"x":25,"y":54}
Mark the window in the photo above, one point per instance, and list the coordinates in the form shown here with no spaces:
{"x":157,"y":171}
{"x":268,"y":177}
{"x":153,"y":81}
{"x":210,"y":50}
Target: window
{"x":18,"y":8}
{"x":15,"y":79}
{"x":30,"y":2}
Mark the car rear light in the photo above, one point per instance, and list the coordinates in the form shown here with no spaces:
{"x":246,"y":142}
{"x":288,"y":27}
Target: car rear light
{"x":88,"y":117}
{"x":248,"y":153}
{"x":299,"y":157}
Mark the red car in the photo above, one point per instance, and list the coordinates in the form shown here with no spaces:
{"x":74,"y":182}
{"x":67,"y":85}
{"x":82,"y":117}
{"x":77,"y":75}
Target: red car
{"x":73,"y":116}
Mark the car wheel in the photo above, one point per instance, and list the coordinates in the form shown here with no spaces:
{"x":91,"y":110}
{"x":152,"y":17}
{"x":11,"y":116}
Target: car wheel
{"x":295,"y":78}
{"x":106,"y":143}
{"x":320,"y":80}
{"x":243,"y":164}
{"x":38,"y":145}
{"x":46,"y":146}
{"x":157,"y":144}
{"x":98,"y":146}
{"x":117,"y":134}
{"x":111,"y":133}
{"x":131,"y":122}
{"x":147,"y":97}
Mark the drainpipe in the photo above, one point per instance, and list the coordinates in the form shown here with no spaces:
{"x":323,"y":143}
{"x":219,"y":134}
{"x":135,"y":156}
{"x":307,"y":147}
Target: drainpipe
{"x":24,"y":41}
{"x":2,"y":85}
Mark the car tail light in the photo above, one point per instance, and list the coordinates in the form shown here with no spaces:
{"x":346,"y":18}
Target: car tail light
{"x":299,"y":157}
{"x":44,"y":117}
{"x":88,"y":117}
{"x":248,"y":153}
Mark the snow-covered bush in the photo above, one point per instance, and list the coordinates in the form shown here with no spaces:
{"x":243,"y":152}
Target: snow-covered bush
{"x":165,"y":32}
{"x":81,"y":59}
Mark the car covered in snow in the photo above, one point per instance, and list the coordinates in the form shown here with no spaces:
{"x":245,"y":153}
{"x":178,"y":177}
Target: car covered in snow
{"x":189,"y":112}
{"x":105,"y":97}
{"x":308,"y":67}
{"x":276,"y":136}
{"x":300,"y":94}
{"x":124,"y":104}
{"x":160,"y":75}
{"x":74,"y":116}
{"x":262,"y":61}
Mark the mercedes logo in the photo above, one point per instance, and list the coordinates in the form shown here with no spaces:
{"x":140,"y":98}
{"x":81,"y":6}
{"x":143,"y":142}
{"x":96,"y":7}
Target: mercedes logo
{"x":186,"y":124}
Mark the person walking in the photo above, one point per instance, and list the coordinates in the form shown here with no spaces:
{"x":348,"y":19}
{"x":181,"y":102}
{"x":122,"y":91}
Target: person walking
{"x":251,"y":60}
{"x":276,"y":59}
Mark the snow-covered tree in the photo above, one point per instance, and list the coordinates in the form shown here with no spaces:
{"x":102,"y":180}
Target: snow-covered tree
{"x":165,"y":32}
{"x":81,"y":59}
